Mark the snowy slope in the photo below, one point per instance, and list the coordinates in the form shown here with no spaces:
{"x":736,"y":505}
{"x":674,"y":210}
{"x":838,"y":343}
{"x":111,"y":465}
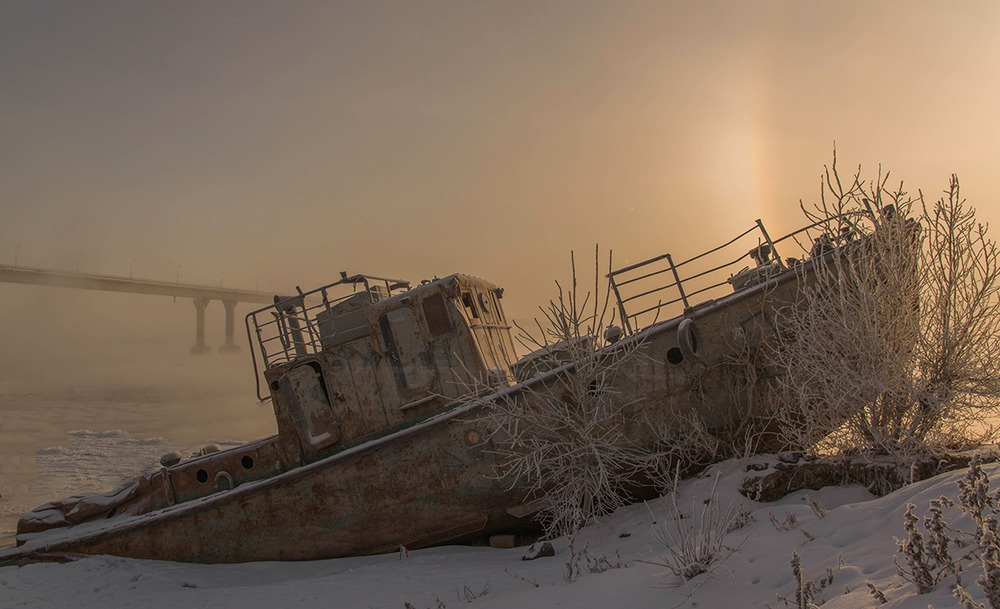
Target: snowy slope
{"x":846,"y":530}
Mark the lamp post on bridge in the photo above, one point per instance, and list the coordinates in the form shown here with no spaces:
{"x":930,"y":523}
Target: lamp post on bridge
{"x":17,"y":247}
{"x":130,"y":269}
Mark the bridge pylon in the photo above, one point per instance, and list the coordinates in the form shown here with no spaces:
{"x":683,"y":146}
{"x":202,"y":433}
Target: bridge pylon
{"x":230,"y":345}
{"x":199,"y":347}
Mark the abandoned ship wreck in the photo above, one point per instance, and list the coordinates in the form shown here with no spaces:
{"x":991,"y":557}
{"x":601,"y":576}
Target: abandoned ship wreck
{"x":378,"y":388}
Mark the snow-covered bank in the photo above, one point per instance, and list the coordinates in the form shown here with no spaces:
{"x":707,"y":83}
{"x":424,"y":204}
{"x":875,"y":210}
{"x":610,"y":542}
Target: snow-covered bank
{"x":844,"y":532}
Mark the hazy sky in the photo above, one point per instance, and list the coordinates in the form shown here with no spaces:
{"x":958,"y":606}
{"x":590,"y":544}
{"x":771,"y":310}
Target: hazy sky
{"x":278,"y":143}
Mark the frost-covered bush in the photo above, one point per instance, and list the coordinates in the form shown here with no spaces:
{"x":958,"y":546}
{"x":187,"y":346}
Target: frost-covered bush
{"x":573,"y":439}
{"x":896,"y":342}
{"x":576,"y":439}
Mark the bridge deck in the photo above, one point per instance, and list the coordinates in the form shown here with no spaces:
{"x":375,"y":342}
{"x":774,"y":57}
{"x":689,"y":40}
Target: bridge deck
{"x":112,"y":283}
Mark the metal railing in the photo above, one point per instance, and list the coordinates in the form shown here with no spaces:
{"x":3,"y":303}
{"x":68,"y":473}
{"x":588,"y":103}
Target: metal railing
{"x":661,"y":288}
{"x":299,"y":325}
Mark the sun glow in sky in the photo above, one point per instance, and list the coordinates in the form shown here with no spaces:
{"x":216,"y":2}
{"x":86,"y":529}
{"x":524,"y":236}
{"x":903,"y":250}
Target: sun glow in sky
{"x":276,"y":144}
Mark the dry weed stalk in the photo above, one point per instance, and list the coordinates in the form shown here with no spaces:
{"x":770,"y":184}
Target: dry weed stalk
{"x":696,"y":545}
{"x":929,"y":560}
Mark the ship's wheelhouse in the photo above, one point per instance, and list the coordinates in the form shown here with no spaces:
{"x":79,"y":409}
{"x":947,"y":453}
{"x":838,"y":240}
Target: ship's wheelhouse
{"x":363,"y":356}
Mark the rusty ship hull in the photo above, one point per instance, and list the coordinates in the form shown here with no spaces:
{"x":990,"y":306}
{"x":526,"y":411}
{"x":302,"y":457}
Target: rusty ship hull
{"x":380,"y":444}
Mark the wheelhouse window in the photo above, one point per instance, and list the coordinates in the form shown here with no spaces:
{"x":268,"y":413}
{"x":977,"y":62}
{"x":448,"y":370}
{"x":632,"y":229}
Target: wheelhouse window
{"x":470,"y":305}
{"x":436,"y":315}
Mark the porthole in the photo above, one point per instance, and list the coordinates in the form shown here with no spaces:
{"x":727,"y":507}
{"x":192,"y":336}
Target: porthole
{"x":247,"y":462}
{"x":484,"y":300}
{"x":202,"y":476}
{"x":674,"y":355}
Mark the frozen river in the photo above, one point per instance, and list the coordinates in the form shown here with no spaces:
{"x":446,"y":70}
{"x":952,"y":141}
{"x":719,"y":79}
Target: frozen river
{"x":88,"y":428}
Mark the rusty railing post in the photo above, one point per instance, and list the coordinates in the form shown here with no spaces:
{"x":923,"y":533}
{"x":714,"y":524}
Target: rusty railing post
{"x":677,"y":280}
{"x":767,"y":238}
{"x":621,"y":305}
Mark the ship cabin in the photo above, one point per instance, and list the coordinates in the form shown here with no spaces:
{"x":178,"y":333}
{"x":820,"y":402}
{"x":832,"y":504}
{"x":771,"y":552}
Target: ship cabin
{"x":365,"y":356}
{"x":343,"y":364}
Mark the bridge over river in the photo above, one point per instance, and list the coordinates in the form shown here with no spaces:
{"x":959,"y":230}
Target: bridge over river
{"x":200,"y":294}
